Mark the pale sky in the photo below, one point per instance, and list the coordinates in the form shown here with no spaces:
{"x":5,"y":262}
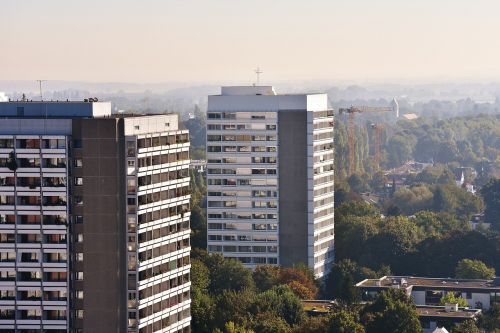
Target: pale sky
{"x":217,"y":40}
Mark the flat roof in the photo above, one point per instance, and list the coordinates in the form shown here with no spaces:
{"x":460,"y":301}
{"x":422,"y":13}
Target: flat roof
{"x":426,"y":283}
{"x":51,"y":109}
{"x":440,"y":311}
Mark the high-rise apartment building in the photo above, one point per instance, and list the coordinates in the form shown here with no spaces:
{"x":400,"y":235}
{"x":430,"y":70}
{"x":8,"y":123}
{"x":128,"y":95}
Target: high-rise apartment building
{"x":94,"y":220}
{"x":270,"y":177}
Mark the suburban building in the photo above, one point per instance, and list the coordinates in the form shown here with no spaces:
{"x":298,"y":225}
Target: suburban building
{"x":270,"y":177}
{"x":429,"y":291}
{"x":442,"y":317}
{"x":431,"y":317}
{"x":94,"y":220}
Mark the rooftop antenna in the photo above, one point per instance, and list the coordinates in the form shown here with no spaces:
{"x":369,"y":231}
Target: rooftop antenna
{"x":40,"y":85}
{"x":258,"y":71}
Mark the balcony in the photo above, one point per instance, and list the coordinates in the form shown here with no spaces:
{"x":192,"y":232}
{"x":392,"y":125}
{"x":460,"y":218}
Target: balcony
{"x":55,"y":220}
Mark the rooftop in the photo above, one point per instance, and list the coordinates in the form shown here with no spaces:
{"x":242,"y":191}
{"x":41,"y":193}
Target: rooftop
{"x":424,"y":282}
{"x":263,"y":99}
{"x":50,"y":109}
{"x":440,"y":311}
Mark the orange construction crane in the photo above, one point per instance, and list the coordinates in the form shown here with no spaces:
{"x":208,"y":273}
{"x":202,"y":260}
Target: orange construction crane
{"x":377,"y":128}
{"x":351,"y":130}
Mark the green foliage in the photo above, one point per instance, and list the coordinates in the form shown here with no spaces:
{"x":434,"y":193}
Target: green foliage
{"x":281,"y":300}
{"x":490,"y":320}
{"x":391,"y":312}
{"x":413,"y":199}
{"x":341,"y":280}
{"x":359,"y":183}
{"x":228,"y":274}
{"x":268,"y":322}
{"x":266,"y":277}
{"x":468,"y":326}
{"x":231,"y":327}
{"x":203,"y":310}
{"x":438,"y":198}
{"x":423,"y":245}
{"x":491,"y":196}
{"x":450,"y":297}
{"x":198,"y":215}
{"x":200,"y":275}
{"x":473,"y":269}
{"x":345,"y":321}
{"x":224,"y":291}
{"x":399,"y":149}
{"x":437,"y":174}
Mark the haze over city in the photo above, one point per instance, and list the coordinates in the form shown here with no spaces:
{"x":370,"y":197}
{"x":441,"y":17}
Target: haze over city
{"x":224,"y":40}
{"x":259,"y":166}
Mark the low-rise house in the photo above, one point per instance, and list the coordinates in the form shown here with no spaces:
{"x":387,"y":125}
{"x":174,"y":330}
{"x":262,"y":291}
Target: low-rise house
{"x":433,"y":318}
{"x":429,"y":291}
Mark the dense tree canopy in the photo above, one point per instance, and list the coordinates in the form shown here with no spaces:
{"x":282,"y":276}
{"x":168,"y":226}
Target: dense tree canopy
{"x":491,"y":196}
{"x":473,"y":269}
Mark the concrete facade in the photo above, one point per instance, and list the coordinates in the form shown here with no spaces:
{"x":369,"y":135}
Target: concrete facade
{"x":94,"y":220}
{"x":270,"y":177}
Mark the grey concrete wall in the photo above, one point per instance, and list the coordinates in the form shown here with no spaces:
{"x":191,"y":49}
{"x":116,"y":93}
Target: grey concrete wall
{"x":292,"y":159}
{"x":104,"y":226}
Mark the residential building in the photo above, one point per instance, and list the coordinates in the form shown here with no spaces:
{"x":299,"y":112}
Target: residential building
{"x":429,"y":291}
{"x":94,"y":220}
{"x":434,"y":318}
{"x":270,"y":177}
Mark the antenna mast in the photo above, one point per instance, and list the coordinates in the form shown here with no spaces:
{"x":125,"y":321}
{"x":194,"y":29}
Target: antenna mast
{"x":40,"y":85}
{"x":258,"y":71}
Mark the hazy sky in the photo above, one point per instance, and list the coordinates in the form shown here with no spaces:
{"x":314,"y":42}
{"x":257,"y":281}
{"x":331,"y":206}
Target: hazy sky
{"x":218,"y":40}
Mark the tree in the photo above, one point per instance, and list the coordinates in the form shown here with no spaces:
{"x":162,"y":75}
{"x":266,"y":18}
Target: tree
{"x":396,"y":239}
{"x":200,"y":275}
{"x":435,"y":224}
{"x":358,"y":183}
{"x":491,"y":196}
{"x":490,"y":320}
{"x":342,"y":278}
{"x":293,"y":276}
{"x":345,"y":321}
{"x":473,"y":269}
{"x":266,"y":277}
{"x":227,"y":274}
{"x":268,"y":322}
{"x":391,"y":312}
{"x":468,"y":326}
{"x":203,"y":311}
{"x":450,"y":297}
{"x":378,"y":181}
{"x":231,"y":327}
{"x":283,"y":302}
{"x":234,"y":306}
{"x":413,"y":199}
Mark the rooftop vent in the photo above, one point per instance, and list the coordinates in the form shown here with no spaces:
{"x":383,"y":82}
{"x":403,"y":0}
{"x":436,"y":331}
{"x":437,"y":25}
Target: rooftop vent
{"x":451,"y":307}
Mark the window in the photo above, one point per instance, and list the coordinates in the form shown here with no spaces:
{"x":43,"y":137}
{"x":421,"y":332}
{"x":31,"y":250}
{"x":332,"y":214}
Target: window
{"x":130,"y":148}
{"x":78,"y":219}
{"x":79,"y":256}
{"x":79,"y":294}
{"x":78,"y":181}
{"x":78,"y":162}
{"x":79,"y":314}
{"x":77,"y":143}
{"x":79,"y":276}
{"x":78,"y":200}
{"x":79,"y":238}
